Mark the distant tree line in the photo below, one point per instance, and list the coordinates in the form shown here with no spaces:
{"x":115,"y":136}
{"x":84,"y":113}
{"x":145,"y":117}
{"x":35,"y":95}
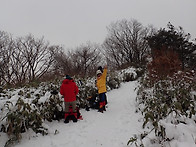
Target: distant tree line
{"x":128,"y":43}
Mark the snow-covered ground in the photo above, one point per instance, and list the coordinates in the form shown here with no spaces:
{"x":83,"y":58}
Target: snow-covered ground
{"x":112,"y":128}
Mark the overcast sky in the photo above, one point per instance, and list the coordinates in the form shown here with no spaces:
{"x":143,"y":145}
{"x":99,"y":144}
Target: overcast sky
{"x":74,"y":22}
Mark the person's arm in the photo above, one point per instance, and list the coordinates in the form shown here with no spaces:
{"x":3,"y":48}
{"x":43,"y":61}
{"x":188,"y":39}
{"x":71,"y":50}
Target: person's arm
{"x":105,"y":71}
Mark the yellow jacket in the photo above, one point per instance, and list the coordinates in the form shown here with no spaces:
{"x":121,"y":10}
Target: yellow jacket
{"x":101,"y":82}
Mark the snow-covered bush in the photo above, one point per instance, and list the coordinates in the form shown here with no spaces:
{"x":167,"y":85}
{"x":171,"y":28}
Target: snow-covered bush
{"x":171,"y":99}
{"x":26,"y":108}
{"x":113,"y":82}
{"x":86,"y":89}
{"x":52,"y":108}
{"x":130,"y":74}
{"x":20,"y":118}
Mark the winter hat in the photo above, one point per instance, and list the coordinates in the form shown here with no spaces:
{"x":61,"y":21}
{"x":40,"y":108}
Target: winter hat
{"x":100,"y":68}
{"x":68,"y":77}
{"x":99,"y":72}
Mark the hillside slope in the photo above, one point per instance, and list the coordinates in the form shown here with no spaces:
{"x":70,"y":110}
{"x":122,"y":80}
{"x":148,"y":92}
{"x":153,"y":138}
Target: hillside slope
{"x":112,"y":128}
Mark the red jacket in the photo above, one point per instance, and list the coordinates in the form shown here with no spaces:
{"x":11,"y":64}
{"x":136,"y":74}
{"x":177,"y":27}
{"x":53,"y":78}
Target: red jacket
{"x":69,"y":90}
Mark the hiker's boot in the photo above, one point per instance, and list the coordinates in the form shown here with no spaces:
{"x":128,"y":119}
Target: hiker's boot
{"x":74,"y":117}
{"x":100,"y":110}
{"x":66,"y":118}
{"x":101,"y":105}
{"x":104,"y":108}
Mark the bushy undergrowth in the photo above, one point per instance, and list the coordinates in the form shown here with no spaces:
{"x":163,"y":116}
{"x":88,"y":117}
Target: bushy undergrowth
{"x":28,"y":107}
{"x":113,"y":82}
{"x":131,"y":74}
{"x":165,"y":98}
{"x":22,"y":117}
{"x":86,"y":89}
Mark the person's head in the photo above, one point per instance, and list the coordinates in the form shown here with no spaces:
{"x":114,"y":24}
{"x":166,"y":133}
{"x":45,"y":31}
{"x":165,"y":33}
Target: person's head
{"x":68,"y":77}
{"x":99,"y":73}
{"x":100,"y":68}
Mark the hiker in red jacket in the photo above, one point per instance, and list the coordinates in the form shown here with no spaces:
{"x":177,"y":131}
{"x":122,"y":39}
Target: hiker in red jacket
{"x":69,"y":90}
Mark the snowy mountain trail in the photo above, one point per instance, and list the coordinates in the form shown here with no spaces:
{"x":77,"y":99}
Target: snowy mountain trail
{"x":112,"y":128}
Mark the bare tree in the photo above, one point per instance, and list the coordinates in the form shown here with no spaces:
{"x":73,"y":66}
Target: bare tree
{"x":6,"y":51}
{"x":126,"y":43}
{"x":20,"y":66}
{"x":37,"y":56}
{"x":62,"y":63}
{"x":85,"y":59}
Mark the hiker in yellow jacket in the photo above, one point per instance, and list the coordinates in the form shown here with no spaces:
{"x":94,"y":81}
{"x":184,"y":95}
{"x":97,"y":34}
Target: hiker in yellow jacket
{"x":101,"y":86}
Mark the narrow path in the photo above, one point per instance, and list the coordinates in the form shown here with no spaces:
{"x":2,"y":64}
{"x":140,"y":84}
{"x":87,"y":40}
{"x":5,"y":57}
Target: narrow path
{"x":109,"y":129}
